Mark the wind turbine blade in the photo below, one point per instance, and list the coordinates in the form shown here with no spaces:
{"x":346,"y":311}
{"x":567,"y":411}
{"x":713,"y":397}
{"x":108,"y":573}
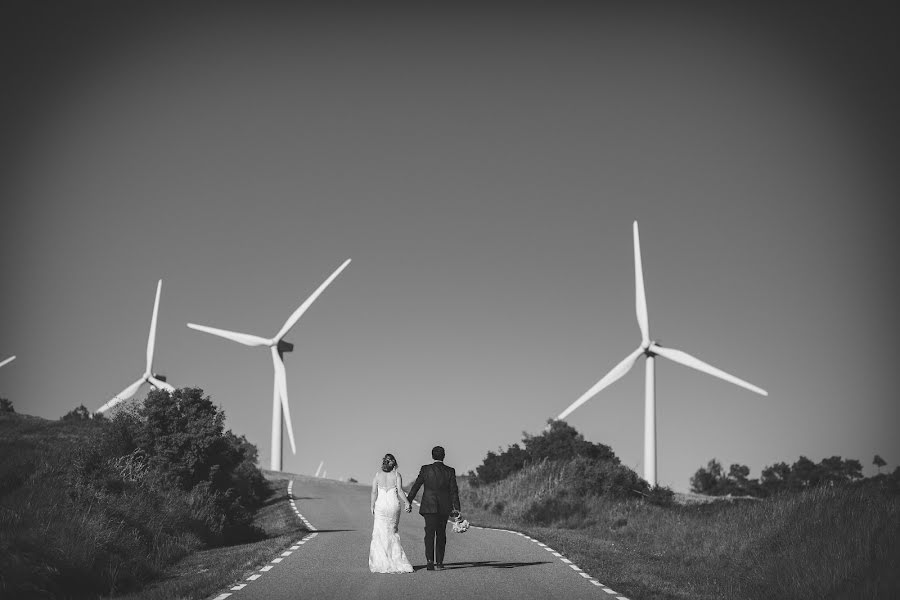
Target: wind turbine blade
{"x":281,"y":377}
{"x":151,"y":339}
{"x":292,"y":320}
{"x":617,"y":372}
{"x":695,"y":363}
{"x":7,"y":361}
{"x":319,"y":470}
{"x":123,"y":395}
{"x":241,"y":338}
{"x":159,"y":384}
{"x":640,"y":298}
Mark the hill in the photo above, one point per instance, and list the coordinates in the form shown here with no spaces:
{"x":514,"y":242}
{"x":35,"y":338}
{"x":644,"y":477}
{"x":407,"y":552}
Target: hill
{"x":97,"y":507}
{"x":825,"y":542}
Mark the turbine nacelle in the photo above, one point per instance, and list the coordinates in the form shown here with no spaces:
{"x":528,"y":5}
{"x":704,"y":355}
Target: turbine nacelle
{"x":284,"y":346}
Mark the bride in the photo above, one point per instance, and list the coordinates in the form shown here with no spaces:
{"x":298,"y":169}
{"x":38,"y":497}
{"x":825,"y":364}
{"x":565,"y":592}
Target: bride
{"x":385,"y":552}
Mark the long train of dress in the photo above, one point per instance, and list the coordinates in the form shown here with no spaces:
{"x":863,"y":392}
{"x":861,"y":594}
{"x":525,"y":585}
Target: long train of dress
{"x":386,"y":555}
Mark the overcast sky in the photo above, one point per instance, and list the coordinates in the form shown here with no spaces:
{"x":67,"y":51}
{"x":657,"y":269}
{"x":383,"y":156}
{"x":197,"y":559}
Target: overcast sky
{"x":482,"y":168}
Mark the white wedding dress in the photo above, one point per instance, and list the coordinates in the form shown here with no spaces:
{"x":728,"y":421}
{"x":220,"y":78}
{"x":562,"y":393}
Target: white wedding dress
{"x":386,"y":555}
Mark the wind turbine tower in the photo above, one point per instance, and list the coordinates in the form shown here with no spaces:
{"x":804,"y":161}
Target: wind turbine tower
{"x":650,"y":349}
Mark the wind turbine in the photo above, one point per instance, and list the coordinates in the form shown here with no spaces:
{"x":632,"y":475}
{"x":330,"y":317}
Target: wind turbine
{"x":650,"y":349}
{"x":7,"y":361}
{"x":156,"y":380}
{"x":278,"y":347}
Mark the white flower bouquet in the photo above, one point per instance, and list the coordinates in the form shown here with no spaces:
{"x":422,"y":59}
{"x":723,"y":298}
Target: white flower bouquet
{"x":460,"y":525}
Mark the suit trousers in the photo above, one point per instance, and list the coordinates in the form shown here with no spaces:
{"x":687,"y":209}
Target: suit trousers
{"x":435,"y":537}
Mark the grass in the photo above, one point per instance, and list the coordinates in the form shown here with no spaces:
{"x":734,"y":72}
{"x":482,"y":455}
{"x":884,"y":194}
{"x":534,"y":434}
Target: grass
{"x":821,"y":543}
{"x":203,"y":573}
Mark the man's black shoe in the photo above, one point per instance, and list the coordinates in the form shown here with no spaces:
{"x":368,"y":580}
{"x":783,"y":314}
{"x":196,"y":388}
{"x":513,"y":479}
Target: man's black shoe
{"x":430,"y":567}
{"x":439,"y":567}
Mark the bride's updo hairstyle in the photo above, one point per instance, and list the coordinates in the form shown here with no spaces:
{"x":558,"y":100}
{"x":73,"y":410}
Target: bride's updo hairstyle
{"x":388,"y":463}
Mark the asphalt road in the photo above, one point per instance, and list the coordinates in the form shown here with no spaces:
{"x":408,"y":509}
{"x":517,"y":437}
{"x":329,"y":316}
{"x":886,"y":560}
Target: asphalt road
{"x":332,"y":562}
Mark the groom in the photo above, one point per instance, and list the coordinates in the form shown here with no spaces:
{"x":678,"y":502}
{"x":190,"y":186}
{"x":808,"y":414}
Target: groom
{"x":439,"y":498}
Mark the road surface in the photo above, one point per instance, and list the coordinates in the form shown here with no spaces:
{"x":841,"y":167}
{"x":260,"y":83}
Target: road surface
{"x":332,"y":561}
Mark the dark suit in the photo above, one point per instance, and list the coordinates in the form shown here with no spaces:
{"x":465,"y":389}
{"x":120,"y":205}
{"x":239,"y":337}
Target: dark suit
{"x":439,"y":497}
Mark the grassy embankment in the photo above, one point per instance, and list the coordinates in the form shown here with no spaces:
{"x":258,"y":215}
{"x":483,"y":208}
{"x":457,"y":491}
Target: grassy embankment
{"x":63,"y":535}
{"x":205,"y":572}
{"x":822,"y":543}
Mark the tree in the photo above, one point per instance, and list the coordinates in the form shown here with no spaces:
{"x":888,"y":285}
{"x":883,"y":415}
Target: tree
{"x":831,"y":470}
{"x":878,"y":462}
{"x":499,"y":466}
{"x":776,"y":478}
{"x":805,"y":473}
{"x":6,"y":405}
{"x":561,"y":441}
{"x":707,"y":481}
{"x":851,"y":469}
{"x":180,"y":437}
{"x":77,"y":414}
{"x":182,"y":433}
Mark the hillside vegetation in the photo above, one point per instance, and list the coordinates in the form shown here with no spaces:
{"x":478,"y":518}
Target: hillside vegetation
{"x":99,"y":507}
{"x":820,"y":542}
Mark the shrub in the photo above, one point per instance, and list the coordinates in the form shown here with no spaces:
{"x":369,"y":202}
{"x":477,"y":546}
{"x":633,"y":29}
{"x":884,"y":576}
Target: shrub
{"x":81,"y":413}
{"x":559,"y":442}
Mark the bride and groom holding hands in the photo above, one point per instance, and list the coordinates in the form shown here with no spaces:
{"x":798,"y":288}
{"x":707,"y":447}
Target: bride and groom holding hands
{"x":440,"y":498}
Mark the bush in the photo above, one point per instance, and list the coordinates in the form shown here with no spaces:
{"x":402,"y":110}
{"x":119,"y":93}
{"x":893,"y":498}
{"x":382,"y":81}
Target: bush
{"x":559,"y":442}
{"x":81,"y":413}
{"x":180,"y":435}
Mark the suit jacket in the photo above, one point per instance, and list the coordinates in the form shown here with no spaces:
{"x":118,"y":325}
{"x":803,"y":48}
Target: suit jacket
{"x":441,"y":494}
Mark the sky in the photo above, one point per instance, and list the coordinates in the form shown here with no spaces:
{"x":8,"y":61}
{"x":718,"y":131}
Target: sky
{"x":482,"y":167}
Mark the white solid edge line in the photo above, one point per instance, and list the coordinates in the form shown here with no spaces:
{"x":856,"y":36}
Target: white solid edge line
{"x":563,"y":559}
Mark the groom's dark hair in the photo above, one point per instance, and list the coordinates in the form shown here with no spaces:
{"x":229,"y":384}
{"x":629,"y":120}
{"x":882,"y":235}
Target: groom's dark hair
{"x":437,"y":453}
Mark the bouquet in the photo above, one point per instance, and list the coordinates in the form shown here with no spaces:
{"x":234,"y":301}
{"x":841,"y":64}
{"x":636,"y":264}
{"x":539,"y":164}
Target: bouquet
{"x":460,"y":525}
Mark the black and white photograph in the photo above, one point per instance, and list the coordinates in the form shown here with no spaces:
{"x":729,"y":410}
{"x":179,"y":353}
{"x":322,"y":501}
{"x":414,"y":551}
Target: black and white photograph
{"x":489,"y":300}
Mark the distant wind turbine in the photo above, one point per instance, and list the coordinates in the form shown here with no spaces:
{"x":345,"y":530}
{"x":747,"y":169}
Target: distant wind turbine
{"x":7,"y":361}
{"x":278,"y":347}
{"x":156,"y":380}
{"x":319,"y":470}
{"x":650,"y":349}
